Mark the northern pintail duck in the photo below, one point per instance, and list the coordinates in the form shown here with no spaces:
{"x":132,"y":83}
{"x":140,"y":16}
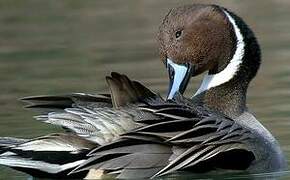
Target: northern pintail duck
{"x":134,"y":133}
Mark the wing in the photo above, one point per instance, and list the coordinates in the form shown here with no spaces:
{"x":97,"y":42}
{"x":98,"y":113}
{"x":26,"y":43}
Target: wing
{"x":97,"y":118}
{"x":199,"y":140}
{"x":204,"y":140}
{"x":48,"y":103}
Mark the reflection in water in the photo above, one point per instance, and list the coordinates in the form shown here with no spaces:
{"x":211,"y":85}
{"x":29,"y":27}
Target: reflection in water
{"x":70,"y":46}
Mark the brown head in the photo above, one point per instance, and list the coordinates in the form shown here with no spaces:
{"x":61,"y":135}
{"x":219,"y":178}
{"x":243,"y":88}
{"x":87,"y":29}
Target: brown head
{"x":198,"y":38}
{"x":196,"y":34}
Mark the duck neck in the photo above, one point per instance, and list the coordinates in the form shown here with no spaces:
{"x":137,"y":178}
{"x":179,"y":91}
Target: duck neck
{"x":224,"y":89}
{"x":228,"y":98}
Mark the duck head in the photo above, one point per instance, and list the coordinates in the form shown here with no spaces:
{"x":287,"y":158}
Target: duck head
{"x":197,"y":38}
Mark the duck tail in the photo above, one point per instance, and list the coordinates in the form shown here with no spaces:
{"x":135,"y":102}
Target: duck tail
{"x":9,"y":142}
{"x":52,"y":156}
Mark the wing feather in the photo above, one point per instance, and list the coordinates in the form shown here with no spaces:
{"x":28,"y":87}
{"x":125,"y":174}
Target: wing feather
{"x":200,"y":137}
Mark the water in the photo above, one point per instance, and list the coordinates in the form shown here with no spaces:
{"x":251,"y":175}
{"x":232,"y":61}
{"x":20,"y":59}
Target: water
{"x":56,"y":47}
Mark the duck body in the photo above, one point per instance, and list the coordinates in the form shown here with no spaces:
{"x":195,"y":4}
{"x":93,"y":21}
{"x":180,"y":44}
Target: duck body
{"x":193,"y":138}
{"x":269,"y":156}
{"x":267,"y":152}
{"x":134,"y":133}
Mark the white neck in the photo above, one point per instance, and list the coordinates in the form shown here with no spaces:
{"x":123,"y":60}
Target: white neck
{"x":231,"y":69}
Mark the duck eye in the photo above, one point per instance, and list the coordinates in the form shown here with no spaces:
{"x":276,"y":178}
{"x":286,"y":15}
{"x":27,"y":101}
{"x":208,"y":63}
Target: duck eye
{"x":178,"y":33}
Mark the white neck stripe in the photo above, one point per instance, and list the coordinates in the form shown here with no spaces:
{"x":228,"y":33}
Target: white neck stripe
{"x":229,"y":72}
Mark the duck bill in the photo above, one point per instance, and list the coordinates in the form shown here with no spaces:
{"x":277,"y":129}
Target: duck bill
{"x":179,"y":76}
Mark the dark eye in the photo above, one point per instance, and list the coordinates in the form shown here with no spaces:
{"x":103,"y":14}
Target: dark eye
{"x":178,"y":33}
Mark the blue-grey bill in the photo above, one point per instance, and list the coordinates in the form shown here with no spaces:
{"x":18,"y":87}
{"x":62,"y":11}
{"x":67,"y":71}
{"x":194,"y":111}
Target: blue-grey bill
{"x":179,"y":75}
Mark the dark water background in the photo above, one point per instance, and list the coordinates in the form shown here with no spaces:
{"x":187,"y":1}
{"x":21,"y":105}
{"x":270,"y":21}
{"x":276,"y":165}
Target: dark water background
{"x":56,"y":47}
